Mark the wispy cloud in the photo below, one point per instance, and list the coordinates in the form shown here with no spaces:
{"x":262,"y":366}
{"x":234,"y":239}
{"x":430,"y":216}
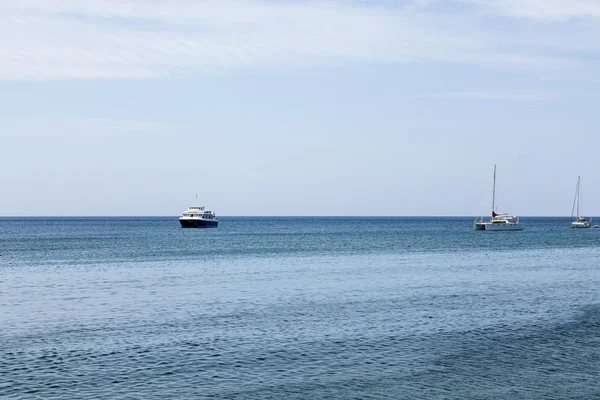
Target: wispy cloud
{"x":542,"y":9}
{"x":140,"y":39}
{"x":69,"y":127}
{"x":495,"y":96}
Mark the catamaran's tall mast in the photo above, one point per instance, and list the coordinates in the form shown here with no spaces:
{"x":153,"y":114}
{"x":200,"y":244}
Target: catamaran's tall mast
{"x":494,"y":193}
{"x":576,"y":199}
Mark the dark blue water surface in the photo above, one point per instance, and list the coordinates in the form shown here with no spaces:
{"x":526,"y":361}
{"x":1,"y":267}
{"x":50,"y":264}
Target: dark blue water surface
{"x":306,"y":308}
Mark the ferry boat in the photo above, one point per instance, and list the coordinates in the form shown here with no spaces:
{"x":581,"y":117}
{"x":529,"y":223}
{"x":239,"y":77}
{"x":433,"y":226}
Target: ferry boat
{"x":198,"y":217}
{"x":499,"y":222}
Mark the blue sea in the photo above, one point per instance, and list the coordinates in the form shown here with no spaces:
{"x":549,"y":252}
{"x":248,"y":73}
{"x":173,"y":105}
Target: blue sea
{"x":298,"y":308}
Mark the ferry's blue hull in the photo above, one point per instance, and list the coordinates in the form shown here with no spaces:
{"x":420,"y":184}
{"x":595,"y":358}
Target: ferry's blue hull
{"x":198,"y":223}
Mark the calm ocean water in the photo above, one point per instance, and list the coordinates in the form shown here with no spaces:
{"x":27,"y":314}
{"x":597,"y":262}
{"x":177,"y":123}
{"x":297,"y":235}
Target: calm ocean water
{"x":298,"y":308}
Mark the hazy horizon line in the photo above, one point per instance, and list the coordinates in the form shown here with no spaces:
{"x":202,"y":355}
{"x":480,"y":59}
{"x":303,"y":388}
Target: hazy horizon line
{"x":278,"y":216}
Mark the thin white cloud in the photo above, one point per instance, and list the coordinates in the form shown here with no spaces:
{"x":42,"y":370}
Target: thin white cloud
{"x":494,"y":96}
{"x":542,"y":9}
{"x":69,"y":127}
{"x":114,"y":39}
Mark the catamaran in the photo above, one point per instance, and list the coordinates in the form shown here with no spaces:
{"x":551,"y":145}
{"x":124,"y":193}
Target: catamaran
{"x":579,"y":222}
{"x":499,"y":222}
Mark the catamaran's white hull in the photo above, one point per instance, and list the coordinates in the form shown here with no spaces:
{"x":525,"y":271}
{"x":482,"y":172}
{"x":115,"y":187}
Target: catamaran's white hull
{"x":488,"y":226}
{"x":503,"y":227}
{"x":581,"y":224}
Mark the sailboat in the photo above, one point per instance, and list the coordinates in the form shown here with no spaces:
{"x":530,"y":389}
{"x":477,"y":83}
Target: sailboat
{"x":499,"y":222}
{"x":579,"y":222}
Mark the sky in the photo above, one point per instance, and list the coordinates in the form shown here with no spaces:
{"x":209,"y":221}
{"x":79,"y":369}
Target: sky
{"x":292,"y":107}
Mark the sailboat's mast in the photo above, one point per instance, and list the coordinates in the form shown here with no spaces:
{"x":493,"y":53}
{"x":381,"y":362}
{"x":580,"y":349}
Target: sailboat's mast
{"x":494,"y":193}
{"x":578,"y":183}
